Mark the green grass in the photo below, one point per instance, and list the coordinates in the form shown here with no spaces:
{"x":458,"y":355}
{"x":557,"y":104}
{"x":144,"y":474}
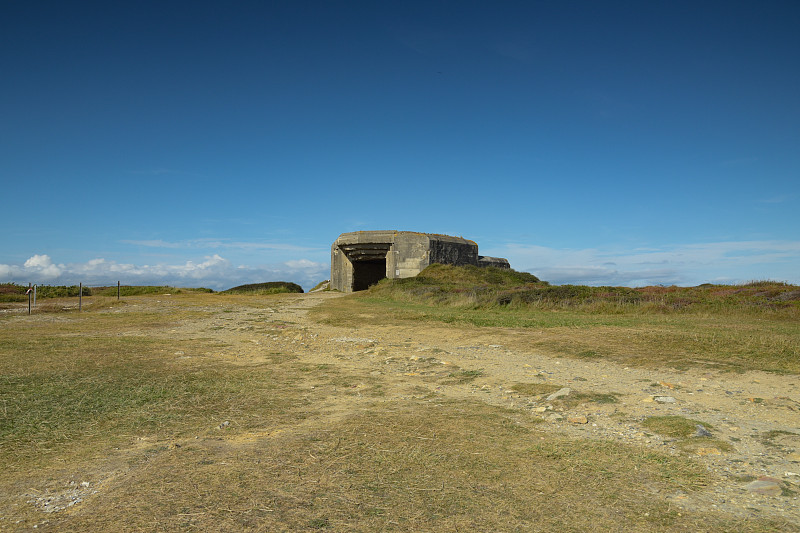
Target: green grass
{"x":754,"y":326}
{"x":11,"y":292}
{"x":674,"y":426}
{"x":474,"y":287}
{"x":139,"y":290}
{"x":57,"y":392}
{"x":462,"y":376}
{"x":683,"y":429}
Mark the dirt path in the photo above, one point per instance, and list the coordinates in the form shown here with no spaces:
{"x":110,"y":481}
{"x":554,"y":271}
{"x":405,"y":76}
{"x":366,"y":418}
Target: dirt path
{"x":755,"y":417}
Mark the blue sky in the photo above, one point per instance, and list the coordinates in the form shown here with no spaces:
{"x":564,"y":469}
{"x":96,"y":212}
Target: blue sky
{"x":213,"y":144}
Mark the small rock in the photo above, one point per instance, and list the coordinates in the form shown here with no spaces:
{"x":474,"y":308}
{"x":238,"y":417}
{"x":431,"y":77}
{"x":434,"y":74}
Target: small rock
{"x":767,"y":488}
{"x":664,"y":399}
{"x":701,"y":431}
{"x":794,"y":457}
{"x":554,"y":417}
{"x":559,"y":394}
{"x":224,"y":425}
{"x":578,"y":420}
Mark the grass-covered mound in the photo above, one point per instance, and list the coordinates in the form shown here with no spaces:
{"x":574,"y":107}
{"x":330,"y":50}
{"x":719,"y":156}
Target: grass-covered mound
{"x":270,"y":287}
{"x":456,"y":285}
{"x":475,"y":287}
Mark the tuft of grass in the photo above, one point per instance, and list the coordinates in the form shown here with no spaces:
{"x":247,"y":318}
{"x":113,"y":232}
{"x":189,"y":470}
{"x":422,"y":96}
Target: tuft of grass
{"x":535,"y":389}
{"x":320,"y":284}
{"x":463,"y":376}
{"x":674,"y":426}
{"x":783,"y":439}
{"x":683,"y":429}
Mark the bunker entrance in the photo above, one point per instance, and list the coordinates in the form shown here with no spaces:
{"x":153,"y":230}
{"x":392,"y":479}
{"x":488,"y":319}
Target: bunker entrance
{"x":366,"y":273}
{"x":369,"y":263}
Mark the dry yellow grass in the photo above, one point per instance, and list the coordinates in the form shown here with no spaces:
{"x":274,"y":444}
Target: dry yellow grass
{"x":176,"y":431}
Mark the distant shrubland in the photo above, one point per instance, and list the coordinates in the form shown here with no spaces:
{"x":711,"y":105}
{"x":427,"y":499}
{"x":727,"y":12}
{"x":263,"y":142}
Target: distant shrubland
{"x":271,"y":287}
{"x":11,"y":292}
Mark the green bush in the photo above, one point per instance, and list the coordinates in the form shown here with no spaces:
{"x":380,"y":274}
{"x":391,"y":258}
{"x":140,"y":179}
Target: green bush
{"x":139,"y":290}
{"x":11,"y":292}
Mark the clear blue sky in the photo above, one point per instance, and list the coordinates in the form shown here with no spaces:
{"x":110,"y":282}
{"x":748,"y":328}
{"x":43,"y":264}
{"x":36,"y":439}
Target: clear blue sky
{"x":218,"y":143}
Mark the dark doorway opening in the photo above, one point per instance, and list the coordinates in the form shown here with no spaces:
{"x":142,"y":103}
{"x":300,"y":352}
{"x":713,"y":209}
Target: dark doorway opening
{"x":368,"y":272}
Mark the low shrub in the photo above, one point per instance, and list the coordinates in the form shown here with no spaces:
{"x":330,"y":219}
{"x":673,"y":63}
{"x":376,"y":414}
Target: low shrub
{"x":270,"y":287}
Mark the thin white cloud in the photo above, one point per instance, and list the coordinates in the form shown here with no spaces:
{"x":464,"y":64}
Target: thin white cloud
{"x":212,"y":244}
{"x":161,"y":171}
{"x":778,"y":199}
{"x":679,"y":264}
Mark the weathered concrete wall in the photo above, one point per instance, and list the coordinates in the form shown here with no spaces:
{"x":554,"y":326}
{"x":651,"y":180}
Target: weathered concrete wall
{"x":498,"y":262}
{"x":453,"y":251}
{"x":358,"y":258}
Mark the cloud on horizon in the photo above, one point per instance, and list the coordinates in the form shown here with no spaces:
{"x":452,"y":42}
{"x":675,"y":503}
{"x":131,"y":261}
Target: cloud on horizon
{"x":679,"y":264}
{"x":214,"y":272}
{"x":682,"y":264}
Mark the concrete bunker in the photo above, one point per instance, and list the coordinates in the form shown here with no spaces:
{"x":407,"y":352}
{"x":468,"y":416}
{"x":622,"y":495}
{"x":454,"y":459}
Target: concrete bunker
{"x":363,"y":258}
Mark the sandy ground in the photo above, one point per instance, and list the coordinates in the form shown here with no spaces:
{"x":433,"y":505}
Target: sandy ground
{"x":757,"y":414}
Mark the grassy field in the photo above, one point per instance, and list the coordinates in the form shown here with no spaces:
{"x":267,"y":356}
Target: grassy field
{"x":166,"y":434}
{"x":754,"y":326}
